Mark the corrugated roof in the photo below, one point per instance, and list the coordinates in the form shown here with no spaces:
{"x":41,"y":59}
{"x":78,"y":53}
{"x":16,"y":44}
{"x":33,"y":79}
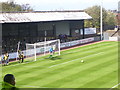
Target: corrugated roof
{"x":42,"y":16}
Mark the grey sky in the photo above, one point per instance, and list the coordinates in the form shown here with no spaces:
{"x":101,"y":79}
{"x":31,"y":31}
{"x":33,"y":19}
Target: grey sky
{"x":67,"y":4}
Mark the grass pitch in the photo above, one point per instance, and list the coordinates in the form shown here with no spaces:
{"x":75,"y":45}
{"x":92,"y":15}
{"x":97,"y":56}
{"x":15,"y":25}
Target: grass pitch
{"x":99,"y":69}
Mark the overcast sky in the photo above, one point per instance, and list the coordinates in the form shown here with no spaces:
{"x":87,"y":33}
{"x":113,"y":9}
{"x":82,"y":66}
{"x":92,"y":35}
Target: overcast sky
{"x":43,"y":5}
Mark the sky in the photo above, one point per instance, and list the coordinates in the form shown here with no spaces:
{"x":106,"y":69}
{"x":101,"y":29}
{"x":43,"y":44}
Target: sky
{"x":48,"y":5}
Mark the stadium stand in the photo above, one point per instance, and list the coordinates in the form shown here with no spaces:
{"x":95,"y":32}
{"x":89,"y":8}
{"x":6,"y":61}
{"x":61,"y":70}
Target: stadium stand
{"x":9,"y":44}
{"x":29,"y":27}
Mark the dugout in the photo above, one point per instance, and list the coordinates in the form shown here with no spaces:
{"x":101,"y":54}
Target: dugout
{"x":31,"y":27}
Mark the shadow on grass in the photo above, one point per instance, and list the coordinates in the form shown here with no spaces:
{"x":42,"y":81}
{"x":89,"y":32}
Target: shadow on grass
{"x":54,"y":58}
{"x":10,"y":63}
{"x":16,"y":62}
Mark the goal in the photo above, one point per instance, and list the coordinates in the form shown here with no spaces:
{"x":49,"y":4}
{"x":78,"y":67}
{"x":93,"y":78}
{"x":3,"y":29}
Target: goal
{"x":42,"y":48}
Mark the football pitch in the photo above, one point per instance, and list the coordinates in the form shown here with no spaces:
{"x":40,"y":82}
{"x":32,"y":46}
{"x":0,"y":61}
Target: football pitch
{"x":99,"y":68}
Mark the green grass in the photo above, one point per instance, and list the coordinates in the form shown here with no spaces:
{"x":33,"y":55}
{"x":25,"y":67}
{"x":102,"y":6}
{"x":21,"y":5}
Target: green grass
{"x":99,"y":70}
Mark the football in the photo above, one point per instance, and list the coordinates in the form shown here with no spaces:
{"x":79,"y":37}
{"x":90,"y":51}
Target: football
{"x":82,"y":61}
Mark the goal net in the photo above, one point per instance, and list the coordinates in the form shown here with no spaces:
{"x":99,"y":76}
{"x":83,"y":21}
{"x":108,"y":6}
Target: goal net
{"x":42,"y":48}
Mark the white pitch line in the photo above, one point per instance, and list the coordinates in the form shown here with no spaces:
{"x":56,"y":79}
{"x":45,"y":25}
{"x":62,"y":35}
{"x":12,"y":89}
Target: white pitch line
{"x":76,"y":59}
{"x":70,"y":52}
{"x":115,"y":86}
{"x":85,"y":49}
{"x":31,"y":86}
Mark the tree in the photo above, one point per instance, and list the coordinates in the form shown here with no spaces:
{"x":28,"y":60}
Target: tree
{"x":26,"y":7}
{"x":12,"y":6}
{"x":94,"y":12}
{"x":110,"y":19}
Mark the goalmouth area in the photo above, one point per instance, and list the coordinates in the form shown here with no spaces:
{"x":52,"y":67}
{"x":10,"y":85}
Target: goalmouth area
{"x":99,"y":69}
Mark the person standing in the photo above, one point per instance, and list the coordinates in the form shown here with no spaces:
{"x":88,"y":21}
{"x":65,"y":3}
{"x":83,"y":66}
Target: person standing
{"x":51,"y":52}
{"x":21,"y":57}
{"x":6,"y":59}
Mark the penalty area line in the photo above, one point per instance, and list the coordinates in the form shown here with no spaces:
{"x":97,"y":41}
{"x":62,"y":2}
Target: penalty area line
{"x":77,"y":59}
{"x":114,"y":86}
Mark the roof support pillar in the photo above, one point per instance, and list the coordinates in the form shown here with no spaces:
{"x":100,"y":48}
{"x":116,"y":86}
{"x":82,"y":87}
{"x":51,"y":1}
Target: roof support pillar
{"x":83,"y":31}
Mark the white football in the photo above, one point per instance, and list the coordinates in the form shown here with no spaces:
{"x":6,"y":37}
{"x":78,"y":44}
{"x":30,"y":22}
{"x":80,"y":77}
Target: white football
{"x":82,"y":61}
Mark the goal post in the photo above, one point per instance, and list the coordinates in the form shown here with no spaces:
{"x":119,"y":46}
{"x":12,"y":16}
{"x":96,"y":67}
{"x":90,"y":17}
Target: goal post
{"x":31,"y":51}
{"x":18,"y":47}
{"x":59,"y":46}
{"x":42,"y":48}
{"x":35,"y":51}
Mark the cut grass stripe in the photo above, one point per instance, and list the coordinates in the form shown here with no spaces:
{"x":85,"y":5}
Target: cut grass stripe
{"x":66,"y":75}
{"x":106,"y":79}
{"x":77,"y":59}
{"x":116,"y":86}
{"x":53,"y":75}
{"x":77,"y":70}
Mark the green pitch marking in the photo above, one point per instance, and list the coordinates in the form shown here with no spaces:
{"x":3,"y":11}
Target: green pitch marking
{"x":99,"y":69}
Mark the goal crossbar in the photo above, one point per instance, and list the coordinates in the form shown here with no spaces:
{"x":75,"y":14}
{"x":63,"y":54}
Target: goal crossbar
{"x":42,"y":48}
{"x":43,"y":43}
